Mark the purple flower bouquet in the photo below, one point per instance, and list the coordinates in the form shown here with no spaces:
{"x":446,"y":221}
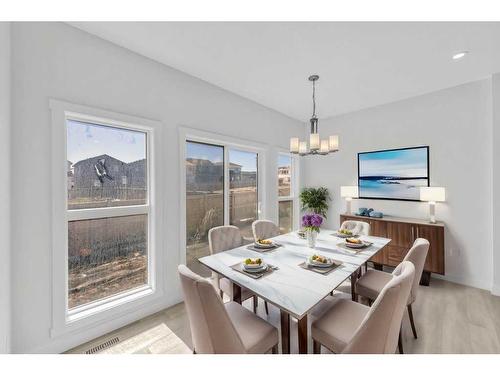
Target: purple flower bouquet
{"x":312,"y":222}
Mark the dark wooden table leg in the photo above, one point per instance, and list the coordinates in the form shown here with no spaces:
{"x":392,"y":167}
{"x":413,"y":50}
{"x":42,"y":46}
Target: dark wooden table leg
{"x":236,"y":293}
{"x":425,"y":279}
{"x":285,"y":332}
{"x":354,"y":278}
{"x":302,"y":328}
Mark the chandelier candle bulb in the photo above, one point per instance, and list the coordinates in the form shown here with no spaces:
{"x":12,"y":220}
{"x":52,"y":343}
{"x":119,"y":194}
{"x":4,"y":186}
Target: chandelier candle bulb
{"x":294,"y":145}
{"x":324,"y":149}
{"x":334,"y":143}
{"x":303,"y":148}
{"x":314,"y":141}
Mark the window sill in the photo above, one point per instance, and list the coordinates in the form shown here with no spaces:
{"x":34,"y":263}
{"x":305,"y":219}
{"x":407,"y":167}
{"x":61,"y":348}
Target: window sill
{"x":96,"y":308}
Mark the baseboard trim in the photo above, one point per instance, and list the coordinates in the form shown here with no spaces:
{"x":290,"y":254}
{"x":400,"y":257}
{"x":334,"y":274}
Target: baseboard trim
{"x":495,"y":290}
{"x":464,"y":280}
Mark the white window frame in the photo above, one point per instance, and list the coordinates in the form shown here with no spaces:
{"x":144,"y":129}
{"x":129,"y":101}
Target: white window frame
{"x":129,"y":303}
{"x":294,"y":191}
{"x":194,"y":135}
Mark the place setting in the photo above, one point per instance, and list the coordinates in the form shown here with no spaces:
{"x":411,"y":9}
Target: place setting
{"x":354,"y":245}
{"x":320,"y":264}
{"x":345,"y":233}
{"x":264,"y":245}
{"x":254,"y":267}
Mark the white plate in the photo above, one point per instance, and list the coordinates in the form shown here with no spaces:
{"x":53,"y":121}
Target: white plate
{"x":263,"y":246}
{"x":262,"y":268}
{"x":356,"y":245}
{"x":342,"y":235}
{"x":317,"y":264}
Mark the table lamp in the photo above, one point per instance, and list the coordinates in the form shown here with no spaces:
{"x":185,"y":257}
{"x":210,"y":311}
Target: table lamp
{"x":348,"y":192}
{"x":432,"y":195}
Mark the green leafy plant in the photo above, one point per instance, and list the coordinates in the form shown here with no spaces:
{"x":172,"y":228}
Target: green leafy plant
{"x":315,"y":200}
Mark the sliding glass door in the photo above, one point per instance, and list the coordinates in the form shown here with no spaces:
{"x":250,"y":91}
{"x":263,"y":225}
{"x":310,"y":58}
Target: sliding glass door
{"x":204,"y":199}
{"x":243,"y":186}
{"x":221,"y":189}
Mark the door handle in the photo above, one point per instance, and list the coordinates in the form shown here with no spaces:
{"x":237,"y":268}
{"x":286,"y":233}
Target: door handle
{"x":412,"y":232}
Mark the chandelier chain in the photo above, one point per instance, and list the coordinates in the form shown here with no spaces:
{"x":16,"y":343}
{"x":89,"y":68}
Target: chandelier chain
{"x":314,"y":98}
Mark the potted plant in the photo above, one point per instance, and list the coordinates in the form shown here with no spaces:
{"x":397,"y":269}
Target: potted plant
{"x":311,"y":224}
{"x":315,"y":200}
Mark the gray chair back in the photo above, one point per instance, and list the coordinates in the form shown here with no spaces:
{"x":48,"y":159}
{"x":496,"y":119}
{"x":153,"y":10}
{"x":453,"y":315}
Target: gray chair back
{"x":356,"y":227}
{"x":225,"y":237}
{"x":264,"y":229}
{"x":417,"y":255}
{"x":212,"y":330}
{"x":379,"y":331}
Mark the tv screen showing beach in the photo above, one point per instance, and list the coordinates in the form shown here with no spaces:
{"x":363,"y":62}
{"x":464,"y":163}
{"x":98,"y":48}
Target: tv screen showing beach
{"x":393,"y":174}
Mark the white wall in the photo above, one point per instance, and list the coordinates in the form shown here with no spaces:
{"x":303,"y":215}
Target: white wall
{"x":456,"y":124}
{"x":5,"y":186}
{"x":496,"y":182}
{"x":51,"y":60}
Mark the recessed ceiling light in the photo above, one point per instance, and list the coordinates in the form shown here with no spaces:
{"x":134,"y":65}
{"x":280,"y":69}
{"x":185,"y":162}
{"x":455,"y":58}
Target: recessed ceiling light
{"x":460,"y":55}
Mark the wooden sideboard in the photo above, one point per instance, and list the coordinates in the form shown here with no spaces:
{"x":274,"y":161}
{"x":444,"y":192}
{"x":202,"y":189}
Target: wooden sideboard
{"x":402,"y":232}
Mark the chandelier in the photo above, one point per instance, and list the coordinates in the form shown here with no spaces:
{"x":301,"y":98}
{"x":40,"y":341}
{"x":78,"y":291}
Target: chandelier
{"x":316,"y":145}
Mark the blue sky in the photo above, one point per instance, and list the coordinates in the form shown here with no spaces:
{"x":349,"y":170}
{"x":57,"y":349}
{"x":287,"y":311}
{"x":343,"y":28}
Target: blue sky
{"x":87,"y":140}
{"x":284,"y":160}
{"x":400,"y":163}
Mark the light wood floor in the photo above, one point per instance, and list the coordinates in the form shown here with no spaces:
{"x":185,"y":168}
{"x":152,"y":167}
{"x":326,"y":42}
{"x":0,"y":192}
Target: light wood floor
{"x":450,"y":318}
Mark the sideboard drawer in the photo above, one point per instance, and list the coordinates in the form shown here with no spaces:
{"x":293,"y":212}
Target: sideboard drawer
{"x":395,"y":254}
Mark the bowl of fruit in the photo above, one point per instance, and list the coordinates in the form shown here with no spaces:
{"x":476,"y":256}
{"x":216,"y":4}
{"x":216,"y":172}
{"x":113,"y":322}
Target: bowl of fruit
{"x":319,"y":261}
{"x":344,"y":233}
{"x":254,"y":264}
{"x":264,"y":244}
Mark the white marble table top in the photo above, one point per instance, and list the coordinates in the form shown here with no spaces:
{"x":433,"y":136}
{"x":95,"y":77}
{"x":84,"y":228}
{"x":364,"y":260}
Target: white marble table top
{"x":292,"y":288}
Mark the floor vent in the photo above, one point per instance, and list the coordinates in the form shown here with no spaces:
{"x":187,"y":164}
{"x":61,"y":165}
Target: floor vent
{"x":103,"y":346}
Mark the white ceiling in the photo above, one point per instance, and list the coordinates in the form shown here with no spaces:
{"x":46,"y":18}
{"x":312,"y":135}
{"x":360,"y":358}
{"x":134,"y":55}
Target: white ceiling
{"x":360,"y":64}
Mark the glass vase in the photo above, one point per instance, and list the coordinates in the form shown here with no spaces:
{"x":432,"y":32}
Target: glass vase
{"x":311,"y":236}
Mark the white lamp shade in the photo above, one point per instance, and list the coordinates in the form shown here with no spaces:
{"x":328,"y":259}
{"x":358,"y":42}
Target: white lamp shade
{"x":432,"y":194}
{"x":349,"y":191}
{"x":314,"y":141}
{"x":294,"y":145}
{"x":324,"y":148}
{"x":302,"y":147}
{"x":334,"y":142}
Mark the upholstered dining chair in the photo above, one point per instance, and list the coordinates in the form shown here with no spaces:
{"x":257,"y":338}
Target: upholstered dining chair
{"x":373,"y":281}
{"x":351,"y":327}
{"x":224,"y":238}
{"x":223,"y":328}
{"x":264,"y":229}
{"x":356,"y":227}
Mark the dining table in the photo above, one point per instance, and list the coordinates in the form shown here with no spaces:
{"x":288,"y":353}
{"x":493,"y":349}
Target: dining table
{"x":291,"y":287}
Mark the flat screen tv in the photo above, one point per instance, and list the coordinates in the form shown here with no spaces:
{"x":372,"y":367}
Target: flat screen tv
{"x":393,"y":174}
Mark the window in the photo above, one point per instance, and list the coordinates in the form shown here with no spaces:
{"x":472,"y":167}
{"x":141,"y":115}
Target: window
{"x":204,"y":199}
{"x":107,"y":211}
{"x":243,"y":197}
{"x":221,"y":189}
{"x":285,"y":193}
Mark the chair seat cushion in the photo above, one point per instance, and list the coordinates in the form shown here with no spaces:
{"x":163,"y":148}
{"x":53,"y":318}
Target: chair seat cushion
{"x":257,"y":335}
{"x":226,"y":286}
{"x":336,"y":327}
{"x":371,"y":283}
